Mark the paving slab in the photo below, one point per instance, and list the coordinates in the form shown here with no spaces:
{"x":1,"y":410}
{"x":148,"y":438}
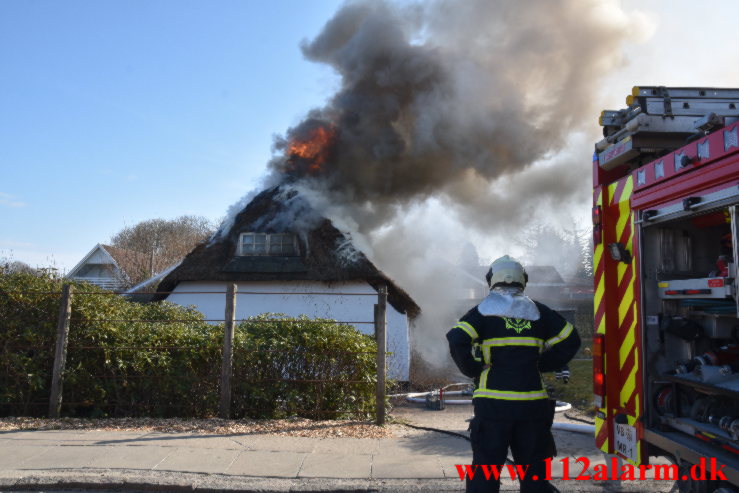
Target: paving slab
{"x":13,"y":456}
{"x":367,"y":446}
{"x":424,"y":446}
{"x":64,"y":457}
{"x":397,"y":445}
{"x":269,"y":464}
{"x":276,"y":443}
{"x":389,"y":467}
{"x":67,"y":437}
{"x":122,"y":457}
{"x":46,"y":436}
{"x":198,"y":460}
{"x":448,"y":445}
{"x":187,"y":440}
{"x":449,"y":463}
{"x":102,"y":436}
{"x":320,"y":465}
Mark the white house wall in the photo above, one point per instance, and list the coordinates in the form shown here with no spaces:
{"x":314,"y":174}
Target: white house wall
{"x":330,"y":304}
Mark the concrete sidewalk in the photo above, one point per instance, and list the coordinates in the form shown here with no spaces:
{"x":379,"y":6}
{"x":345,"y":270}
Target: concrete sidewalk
{"x":239,"y":462}
{"x":109,"y":460}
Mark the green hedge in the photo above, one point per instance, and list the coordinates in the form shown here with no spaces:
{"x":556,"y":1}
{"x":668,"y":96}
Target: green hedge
{"x":102,"y":379}
{"x":307,"y":367}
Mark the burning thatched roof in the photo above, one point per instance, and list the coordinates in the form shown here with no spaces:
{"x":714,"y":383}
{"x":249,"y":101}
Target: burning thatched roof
{"x":326,"y":254}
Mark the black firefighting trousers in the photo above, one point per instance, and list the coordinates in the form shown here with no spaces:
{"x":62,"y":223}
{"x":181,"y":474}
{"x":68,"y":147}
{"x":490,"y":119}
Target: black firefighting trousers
{"x":530,"y":441}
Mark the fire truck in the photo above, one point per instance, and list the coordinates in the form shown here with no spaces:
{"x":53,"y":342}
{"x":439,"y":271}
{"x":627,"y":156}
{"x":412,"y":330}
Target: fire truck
{"x":665,"y":226}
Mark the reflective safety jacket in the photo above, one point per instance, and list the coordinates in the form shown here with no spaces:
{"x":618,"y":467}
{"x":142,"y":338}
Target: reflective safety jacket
{"x":517,"y":351}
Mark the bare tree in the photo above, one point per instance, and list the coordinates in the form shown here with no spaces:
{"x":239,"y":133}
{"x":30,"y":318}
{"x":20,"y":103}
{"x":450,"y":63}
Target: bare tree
{"x":569,"y":250}
{"x":149,"y":247}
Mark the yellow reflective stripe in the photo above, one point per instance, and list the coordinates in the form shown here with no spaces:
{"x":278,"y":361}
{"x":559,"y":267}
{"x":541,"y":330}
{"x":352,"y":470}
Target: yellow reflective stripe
{"x":628,"y":386}
{"x":513,"y":341}
{"x":467,"y":328}
{"x":563,"y":334}
{"x":510,"y":395}
{"x":484,"y":378}
{"x":486,"y":354}
{"x":598,"y":425}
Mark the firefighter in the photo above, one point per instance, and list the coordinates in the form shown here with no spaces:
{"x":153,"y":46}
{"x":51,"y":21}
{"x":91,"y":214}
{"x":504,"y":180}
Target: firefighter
{"x":520,"y":338}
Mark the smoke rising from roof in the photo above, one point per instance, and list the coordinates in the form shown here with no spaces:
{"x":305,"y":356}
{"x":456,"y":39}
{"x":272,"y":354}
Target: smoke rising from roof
{"x":446,"y":97}
{"x":454,"y":122}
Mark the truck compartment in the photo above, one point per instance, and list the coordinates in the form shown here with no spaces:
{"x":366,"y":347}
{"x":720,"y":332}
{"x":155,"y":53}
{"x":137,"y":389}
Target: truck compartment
{"x":691,"y":335}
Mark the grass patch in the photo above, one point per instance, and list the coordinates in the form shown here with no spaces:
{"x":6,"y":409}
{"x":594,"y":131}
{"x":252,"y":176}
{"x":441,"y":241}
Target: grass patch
{"x":579,"y":390}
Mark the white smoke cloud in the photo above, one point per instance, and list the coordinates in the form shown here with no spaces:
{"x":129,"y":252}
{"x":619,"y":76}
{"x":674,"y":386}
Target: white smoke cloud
{"x":456,"y":123}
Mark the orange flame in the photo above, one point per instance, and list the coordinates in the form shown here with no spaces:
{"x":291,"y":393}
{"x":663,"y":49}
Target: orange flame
{"x":310,"y":153}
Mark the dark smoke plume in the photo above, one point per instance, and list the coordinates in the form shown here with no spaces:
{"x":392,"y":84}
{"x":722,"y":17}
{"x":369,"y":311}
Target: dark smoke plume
{"x":456,"y":121}
{"x":445,"y":97}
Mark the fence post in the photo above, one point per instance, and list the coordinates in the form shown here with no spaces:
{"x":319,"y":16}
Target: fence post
{"x":60,"y":355}
{"x":381,"y":337}
{"x":228,"y":343}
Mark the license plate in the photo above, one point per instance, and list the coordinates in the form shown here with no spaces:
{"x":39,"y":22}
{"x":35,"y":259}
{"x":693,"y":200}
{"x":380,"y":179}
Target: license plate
{"x":626,"y":441}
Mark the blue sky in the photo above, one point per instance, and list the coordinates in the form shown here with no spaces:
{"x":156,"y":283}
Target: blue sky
{"x":119,"y":111}
{"x":116,"y":112}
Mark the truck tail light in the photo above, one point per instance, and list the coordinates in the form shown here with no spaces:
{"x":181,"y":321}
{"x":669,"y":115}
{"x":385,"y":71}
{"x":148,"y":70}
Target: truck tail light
{"x":597,"y":225}
{"x":696,"y":291}
{"x":599,"y":377}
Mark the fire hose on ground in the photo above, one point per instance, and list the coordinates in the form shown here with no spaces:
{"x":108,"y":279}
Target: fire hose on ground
{"x":438,"y":399}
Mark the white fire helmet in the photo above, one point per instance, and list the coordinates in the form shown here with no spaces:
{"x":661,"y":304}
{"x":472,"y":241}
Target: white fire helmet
{"x":506,"y":270}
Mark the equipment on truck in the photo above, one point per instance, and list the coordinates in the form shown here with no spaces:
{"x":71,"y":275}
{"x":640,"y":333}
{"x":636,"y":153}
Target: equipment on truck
{"x":659,"y":120}
{"x":665,"y":216}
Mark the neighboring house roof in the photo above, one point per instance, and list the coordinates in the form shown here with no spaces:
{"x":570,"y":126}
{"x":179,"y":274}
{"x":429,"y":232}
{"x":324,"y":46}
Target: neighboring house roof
{"x":97,"y":248}
{"x":327,"y":254}
{"x":544,"y":275}
{"x":547,"y":285}
{"x":581,"y":286}
{"x":123,"y":264}
{"x":108,"y":274}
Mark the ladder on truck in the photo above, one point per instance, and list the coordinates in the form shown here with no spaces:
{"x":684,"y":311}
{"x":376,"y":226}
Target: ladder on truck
{"x":659,"y":119}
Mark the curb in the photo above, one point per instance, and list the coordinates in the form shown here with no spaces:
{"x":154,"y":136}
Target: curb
{"x":177,"y":482}
{"x":130,"y":481}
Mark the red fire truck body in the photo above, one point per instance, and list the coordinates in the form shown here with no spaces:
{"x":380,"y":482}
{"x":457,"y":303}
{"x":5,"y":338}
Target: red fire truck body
{"x":666,"y":345}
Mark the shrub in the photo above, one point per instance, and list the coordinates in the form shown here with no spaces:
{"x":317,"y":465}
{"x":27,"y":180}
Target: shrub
{"x":163,"y":360}
{"x":108,"y":373}
{"x":27,"y":328}
{"x":330,"y":368}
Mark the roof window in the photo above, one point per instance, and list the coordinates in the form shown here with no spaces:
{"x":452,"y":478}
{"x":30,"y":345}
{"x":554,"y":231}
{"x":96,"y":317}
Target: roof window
{"x":280,"y":244}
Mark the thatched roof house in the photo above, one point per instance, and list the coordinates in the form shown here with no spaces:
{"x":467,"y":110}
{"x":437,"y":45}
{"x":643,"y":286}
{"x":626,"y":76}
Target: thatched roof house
{"x":280,"y":245}
{"x":323,"y":253}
